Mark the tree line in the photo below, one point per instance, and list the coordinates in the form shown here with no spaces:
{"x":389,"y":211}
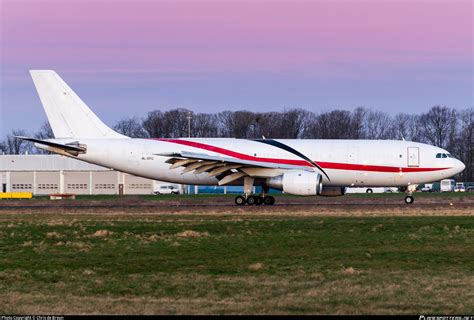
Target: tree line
{"x":441,"y":126}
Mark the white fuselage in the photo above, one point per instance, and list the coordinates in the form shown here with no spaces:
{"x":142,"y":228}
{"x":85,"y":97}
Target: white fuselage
{"x":346,"y":162}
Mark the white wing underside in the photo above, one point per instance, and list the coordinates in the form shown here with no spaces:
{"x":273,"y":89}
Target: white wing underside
{"x":226,"y":169}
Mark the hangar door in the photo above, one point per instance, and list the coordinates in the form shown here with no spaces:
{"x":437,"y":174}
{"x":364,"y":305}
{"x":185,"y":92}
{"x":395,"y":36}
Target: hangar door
{"x":413,"y":157}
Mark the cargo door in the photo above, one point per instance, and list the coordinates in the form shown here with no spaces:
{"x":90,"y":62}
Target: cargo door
{"x":413,"y":157}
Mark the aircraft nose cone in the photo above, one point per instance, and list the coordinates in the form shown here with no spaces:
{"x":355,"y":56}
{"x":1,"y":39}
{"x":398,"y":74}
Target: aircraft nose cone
{"x":460,"y":166}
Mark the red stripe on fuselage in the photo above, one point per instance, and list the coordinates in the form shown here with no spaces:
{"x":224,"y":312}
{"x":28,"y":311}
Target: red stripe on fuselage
{"x":304,"y":163}
{"x":237,"y":155}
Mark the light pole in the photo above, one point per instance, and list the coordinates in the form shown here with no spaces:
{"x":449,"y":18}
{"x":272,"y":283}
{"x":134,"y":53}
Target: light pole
{"x":189,"y":123}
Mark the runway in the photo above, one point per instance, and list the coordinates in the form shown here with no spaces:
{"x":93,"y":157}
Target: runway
{"x":231,"y":205}
{"x":224,"y":205}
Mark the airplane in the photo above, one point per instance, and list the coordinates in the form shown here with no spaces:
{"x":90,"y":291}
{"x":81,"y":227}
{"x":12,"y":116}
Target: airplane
{"x":305,"y":167}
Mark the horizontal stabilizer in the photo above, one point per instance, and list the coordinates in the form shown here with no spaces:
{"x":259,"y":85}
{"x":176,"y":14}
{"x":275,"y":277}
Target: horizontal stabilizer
{"x":72,"y":148}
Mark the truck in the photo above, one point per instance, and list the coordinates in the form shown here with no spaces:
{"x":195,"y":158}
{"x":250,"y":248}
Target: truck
{"x":166,"y":188}
{"x":447,"y":185}
{"x":371,"y":190}
{"x":428,"y":187}
{"x":459,"y":187}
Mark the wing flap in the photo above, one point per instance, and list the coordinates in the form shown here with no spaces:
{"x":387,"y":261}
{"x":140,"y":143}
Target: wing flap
{"x":183,"y":155}
{"x":226,"y":169}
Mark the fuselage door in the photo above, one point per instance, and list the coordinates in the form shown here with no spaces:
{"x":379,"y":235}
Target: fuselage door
{"x":413,"y":157}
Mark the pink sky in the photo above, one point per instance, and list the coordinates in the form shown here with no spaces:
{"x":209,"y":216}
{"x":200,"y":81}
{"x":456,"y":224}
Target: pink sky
{"x":226,"y":36}
{"x":217,"y":41}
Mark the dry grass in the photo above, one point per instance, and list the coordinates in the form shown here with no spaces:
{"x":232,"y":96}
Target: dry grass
{"x":192,"y":234}
{"x":256,"y":266}
{"x":392,"y":293}
{"x":349,"y":271}
{"x":277,"y":260}
{"x":101,"y":233}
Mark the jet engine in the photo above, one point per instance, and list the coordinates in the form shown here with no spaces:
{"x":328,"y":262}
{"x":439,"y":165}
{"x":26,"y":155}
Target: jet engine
{"x":298,"y":182}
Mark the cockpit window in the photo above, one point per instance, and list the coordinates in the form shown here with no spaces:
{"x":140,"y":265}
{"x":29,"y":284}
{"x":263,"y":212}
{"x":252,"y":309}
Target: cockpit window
{"x":443,"y":155}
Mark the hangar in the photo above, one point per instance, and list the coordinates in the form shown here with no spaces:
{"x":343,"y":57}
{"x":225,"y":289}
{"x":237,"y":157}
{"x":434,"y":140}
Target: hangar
{"x":47,"y":174}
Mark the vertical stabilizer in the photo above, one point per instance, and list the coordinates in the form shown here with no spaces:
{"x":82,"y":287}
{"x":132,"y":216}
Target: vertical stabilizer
{"x":67,"y":114}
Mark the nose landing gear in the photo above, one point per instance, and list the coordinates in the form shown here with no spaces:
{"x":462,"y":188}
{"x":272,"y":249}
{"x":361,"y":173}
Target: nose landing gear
{"x":409,"y":194}
{"x":409,"y":199}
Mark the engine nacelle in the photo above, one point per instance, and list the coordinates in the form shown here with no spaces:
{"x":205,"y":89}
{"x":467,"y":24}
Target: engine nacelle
{"x":333,"y":191}
{"x":298,"y":182}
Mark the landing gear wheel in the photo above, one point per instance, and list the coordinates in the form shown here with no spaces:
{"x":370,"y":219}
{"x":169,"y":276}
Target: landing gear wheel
{"x":269,"y":201}
{"x":239,"y":200}
{"x":251,"y":200}
{"x":258,"y":200}
{"x":409,"y":199}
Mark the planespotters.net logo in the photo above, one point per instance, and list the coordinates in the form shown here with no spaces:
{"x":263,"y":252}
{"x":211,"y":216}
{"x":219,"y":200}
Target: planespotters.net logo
{"x":422,"y":317}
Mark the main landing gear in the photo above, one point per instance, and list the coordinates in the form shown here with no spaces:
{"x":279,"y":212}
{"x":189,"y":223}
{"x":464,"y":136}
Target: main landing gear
{"x":254,"y":200}
{"x":251,"y":199}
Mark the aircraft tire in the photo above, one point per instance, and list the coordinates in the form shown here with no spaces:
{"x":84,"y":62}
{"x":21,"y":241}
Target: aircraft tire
{"x":269,"y":200}
{"x":251,"y":200}
{"x":239,"y":200}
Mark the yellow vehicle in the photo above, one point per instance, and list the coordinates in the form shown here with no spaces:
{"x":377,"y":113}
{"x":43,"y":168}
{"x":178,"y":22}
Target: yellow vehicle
{"x":16,"y":195}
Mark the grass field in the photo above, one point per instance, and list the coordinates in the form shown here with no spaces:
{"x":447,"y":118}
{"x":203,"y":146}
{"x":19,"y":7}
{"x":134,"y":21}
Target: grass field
{"x":55,"y":263}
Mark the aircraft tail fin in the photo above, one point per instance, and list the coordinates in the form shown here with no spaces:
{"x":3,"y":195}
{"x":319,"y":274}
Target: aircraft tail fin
{"x":67,"y":114}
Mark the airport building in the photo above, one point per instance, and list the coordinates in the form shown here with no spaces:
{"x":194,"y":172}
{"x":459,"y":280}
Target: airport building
{"x":50,"y":174}
{"x":53,"y":174}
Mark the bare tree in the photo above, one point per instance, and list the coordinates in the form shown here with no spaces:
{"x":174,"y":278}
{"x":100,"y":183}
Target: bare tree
{"x":238,"y":124}
{"x":378,"y":125}
{"x":13,"y":145}
{"x":356,"y":128}
{"x":45,"y":131}
{"x":438,"y":126}
{"x":154,"y":124}
{"x":169,"y":124}
{"x":131,"y":127}
{"x":204,"y":125}
{"x":292,"y":123}
{"x":463,"y":148}
{"x":330,"y":125}
{"x":177,"y":119}
{"x":3,"y":148}
{"x":267,"y":124}
{"x":406,"y":127}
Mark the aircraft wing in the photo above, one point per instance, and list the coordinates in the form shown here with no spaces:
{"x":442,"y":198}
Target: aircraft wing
{"x":226,"y":169}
